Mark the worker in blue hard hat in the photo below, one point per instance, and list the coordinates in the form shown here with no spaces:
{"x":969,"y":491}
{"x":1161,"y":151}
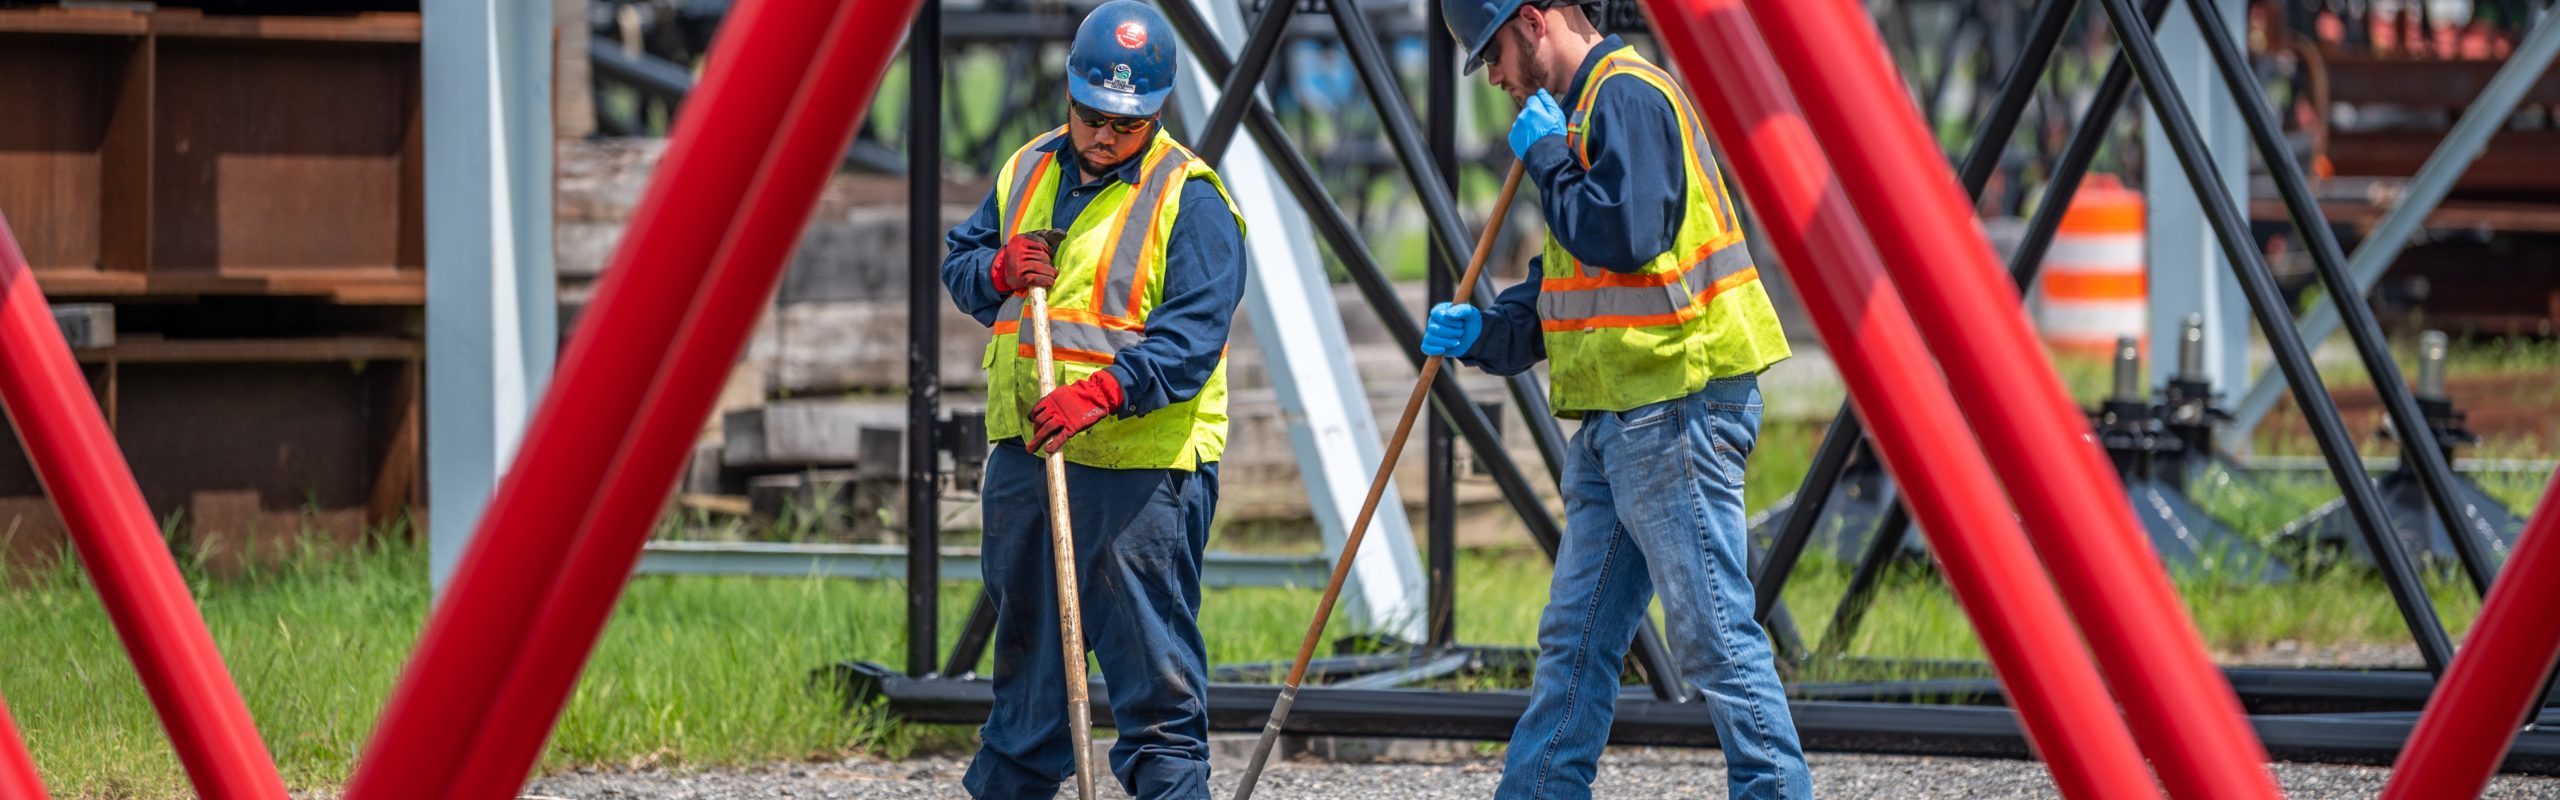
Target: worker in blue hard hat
{"x":1650,"y":314}
{"x":1142,"y":254}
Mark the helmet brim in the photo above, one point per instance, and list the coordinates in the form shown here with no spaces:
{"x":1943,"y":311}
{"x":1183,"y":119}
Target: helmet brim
{"x":1499,"y":15}
{"x":1475,"y":51}
{"x":1118,"y":103}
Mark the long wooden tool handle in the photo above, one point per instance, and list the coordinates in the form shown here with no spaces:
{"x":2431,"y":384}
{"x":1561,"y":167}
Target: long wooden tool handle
{"x":1377,"y":489}
{"x":1062,"y":549}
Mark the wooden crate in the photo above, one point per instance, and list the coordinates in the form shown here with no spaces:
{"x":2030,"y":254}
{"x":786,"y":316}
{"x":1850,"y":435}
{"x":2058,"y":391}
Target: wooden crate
{"x":171,"y":153}
{"x":249,"y":192}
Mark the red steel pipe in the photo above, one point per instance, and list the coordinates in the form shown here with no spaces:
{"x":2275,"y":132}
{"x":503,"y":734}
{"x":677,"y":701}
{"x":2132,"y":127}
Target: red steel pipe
{"x":18,"y":779}
{"x":2182,"y":709}
{"x":2472,"y":719}
{"x":1919,"y":433}
{"x":819,"y":126}
{"x":77,"y":458}
{"x":727,"y":128}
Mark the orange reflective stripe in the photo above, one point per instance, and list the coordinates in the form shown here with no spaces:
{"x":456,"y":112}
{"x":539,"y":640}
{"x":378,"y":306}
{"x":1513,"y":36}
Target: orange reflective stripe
{"x":1606,"y":279}
{"x":2102,"y":219}
{"x":1022,"y":199}
{"x":1025,"y":350}
{"x":1096,"y":319}
{"x":1173,"y":160}
{"x":1104,"y":266}
{"x":1696,"y":307}
{"x":2094,"y":286}
{"x":1079,"y":316}
{"x":1692,"y":128}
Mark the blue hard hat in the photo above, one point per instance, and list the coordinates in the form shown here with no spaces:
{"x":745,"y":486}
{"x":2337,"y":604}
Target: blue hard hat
{"x":1122,"y":61}
{"x":1473,"y":22}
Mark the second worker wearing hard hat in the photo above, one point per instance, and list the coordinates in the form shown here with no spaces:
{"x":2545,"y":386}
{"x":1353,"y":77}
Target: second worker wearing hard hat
{"x":1651,"y":316}
{"x":1142,"y":254}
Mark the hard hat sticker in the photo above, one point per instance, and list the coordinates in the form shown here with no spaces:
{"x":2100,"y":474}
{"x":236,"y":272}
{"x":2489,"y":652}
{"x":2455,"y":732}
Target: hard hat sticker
{"x":1120,"y":77}
{"x":1132,"y":34}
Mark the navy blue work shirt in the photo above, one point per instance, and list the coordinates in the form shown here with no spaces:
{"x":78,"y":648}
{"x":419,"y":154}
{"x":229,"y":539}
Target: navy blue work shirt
{"x":1186,"y":332}
{"x":1619,"y":214}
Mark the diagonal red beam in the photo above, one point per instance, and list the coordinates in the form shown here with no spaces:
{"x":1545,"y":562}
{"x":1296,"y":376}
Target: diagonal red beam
{"x":1919,"y":432}
{"x":18,"y":779}
{"x":816,"y":131}
{"x":83,"y":469}
{"x":726,"y":130}
{"x":2182,"y":709}
{"x":2488,"y":692}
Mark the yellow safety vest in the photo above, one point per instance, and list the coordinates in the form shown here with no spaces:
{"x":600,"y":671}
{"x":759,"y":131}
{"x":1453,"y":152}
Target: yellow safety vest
{"x":1617,"y":341}
{"x":1110,"y":274}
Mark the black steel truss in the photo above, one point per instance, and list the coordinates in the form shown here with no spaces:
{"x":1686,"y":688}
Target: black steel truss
{"x":2304,"y":714}
{"x":2138,"y":59}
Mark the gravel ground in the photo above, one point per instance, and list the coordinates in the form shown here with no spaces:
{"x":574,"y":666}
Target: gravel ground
{"x":1624,"y":773}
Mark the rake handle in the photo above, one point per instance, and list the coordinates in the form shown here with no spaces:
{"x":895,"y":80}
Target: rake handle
{"x":1062,"y":551}
{"x":1377,"y":490}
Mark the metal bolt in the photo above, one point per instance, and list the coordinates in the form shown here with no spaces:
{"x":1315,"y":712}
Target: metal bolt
{"x":2128,"y":369}
{"x":2431,"y":353}
{"x":2191,"y":349}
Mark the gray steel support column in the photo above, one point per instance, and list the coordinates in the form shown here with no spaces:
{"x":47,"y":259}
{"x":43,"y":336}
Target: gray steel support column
{"x":1291,"y":305}
{"x":2188,"y":273}
{"x":2487,"y":115}
{"x":492,"y":325}
{"x":2472,"y":538}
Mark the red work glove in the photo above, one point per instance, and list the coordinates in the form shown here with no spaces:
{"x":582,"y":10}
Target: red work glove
{"x":1023,"y":263}
{"x":1071,"y":409}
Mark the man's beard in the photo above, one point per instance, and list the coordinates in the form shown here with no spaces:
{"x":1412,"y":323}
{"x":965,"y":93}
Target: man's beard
{"x":1086,"y":160}
{"x":1533,"y":70}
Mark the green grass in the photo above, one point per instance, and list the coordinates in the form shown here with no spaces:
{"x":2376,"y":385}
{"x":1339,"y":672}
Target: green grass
{"x":714,"y":671}
{"x":698,"y":670}
{"x":692,"y":670}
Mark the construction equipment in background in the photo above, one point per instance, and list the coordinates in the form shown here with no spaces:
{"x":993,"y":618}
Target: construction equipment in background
{"x":2093,"y":290}
{"x":2371,"y":90}
{"x":2326,"y":530}
{"x":2153,"y":451}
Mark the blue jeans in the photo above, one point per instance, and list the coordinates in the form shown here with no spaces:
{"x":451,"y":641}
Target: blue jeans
{"x":1139,"y":536}
{"x":1653,"y":498}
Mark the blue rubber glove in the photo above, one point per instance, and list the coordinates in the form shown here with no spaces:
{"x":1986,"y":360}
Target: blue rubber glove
{"x":1539,"y":119}
{"x":1452,"y":329}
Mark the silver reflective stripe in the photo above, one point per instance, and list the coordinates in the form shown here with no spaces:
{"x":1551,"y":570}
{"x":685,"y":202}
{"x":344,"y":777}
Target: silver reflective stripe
{"x":1628,"y":301}
{"x":1024,"y":167}
{"x":1128,"y":255}
{"x":1090,"y":338}
{"x":1071,"y":335}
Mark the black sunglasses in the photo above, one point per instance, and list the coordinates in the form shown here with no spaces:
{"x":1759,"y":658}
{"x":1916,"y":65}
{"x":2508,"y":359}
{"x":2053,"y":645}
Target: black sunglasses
{"x":1490,"y":47}
{"x":1093,"y":118}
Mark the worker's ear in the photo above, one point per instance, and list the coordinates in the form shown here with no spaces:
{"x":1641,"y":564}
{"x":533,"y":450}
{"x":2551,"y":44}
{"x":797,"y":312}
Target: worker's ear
{"x":1534,"y":23}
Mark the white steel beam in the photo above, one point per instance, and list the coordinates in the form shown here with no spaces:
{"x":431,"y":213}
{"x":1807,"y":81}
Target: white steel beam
{"x":492,"y":324}
{"x":1309,"y":357}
